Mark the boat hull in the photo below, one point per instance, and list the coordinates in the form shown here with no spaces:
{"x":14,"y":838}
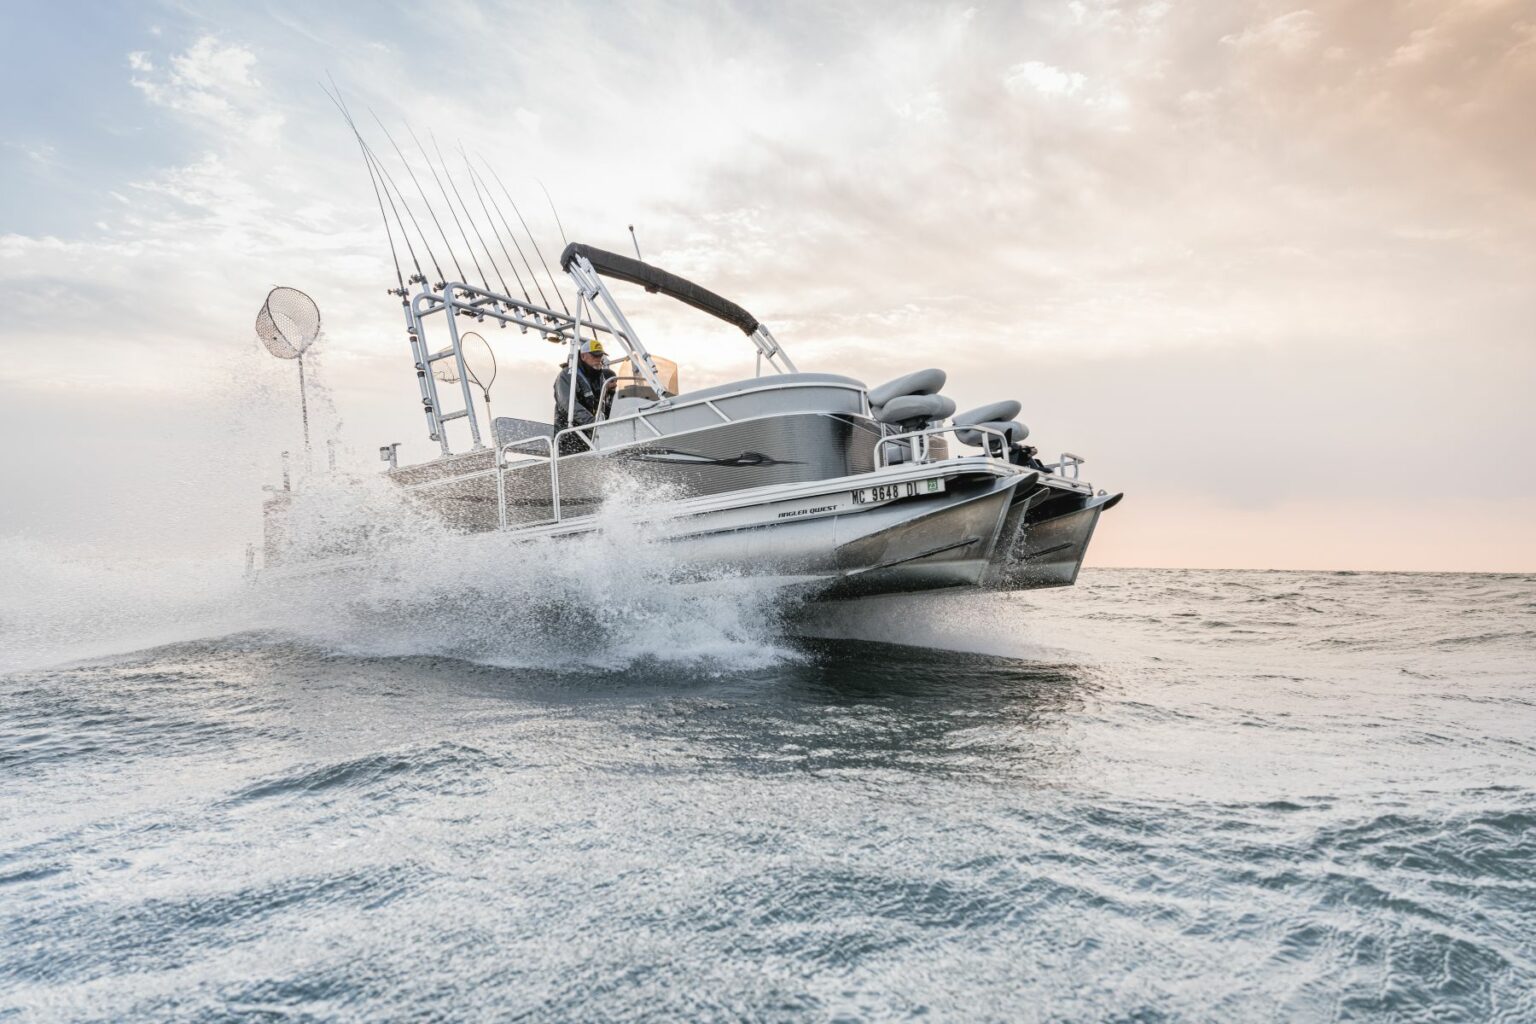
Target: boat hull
{"x":784,"y":483}
{"x":1046,"y":539}
{"x":959,"y":523}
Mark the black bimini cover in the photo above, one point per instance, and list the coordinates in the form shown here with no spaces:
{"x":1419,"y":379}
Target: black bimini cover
{"x":654,"y":279}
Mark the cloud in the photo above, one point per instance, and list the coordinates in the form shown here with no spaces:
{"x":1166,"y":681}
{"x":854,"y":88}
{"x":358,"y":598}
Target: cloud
{"x":527,"y":119}
{"x":1289,"y":35}
{"x":211,"y":82}
{"x":1043,"y":78}
{"x":42,"y":154}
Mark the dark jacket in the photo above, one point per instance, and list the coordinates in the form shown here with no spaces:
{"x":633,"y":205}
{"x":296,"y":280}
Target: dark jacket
{"x":589,"y":385}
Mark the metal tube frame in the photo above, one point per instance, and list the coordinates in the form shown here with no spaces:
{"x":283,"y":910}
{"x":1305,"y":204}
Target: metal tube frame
{"x":1069,"y":467}
{"x":919,"y":439}
{"x":768,"y":345}
{"x":573,"y":365}
{"x":589,"y":284}
{"x":501,"y":471}
{"x":480,"y":303}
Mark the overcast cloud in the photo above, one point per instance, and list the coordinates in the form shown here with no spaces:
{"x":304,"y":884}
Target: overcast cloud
{"x":1268,"y":267}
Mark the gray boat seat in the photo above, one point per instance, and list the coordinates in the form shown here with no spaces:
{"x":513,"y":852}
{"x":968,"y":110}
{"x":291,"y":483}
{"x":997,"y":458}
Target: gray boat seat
{"x":993,"y":412}
{"x":923,"y":382}
{"x":915,"y":409}
{"x":1013,"y":431}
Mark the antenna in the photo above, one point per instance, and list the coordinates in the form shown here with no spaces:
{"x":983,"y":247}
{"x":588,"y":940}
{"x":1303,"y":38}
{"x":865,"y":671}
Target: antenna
{"x":288,"y":324}
{"x":479,"y":365}
{"x":632,"y":238}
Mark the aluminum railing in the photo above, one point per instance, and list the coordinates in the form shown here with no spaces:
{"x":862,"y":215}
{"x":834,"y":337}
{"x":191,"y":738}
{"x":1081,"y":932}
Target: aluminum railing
{"x":917,"y":442}
{"x":501,"y":476}
{"x":1068,"y":466}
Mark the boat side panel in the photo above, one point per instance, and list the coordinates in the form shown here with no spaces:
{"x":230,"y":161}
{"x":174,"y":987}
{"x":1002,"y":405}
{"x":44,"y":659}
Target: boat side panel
{"x":777,"y":402}
{"x":714,"y":460}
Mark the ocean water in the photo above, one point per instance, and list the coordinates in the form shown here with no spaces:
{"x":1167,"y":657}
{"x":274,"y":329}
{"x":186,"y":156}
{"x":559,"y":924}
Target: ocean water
{"x":1158,"y":796}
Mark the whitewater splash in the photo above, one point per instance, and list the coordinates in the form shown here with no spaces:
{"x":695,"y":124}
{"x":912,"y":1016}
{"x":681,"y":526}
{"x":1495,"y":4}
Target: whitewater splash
{"x":605,"y":600}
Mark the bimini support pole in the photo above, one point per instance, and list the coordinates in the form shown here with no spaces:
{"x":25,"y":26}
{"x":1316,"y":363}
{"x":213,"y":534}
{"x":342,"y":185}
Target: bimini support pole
{"x":573,"y":366}
{"x":590,"y":286}
{"x":768,"y":345}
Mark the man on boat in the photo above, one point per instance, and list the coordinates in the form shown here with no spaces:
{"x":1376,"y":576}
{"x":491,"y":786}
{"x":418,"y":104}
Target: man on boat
{"x":591,"y":376}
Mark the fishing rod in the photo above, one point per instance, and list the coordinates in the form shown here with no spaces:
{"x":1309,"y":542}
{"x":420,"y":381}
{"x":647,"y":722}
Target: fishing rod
{"x":490,"y":257}
{"x":389,"y":183}
{"x":551,"y":200}
{"x":388,"y":233}
{"x":451,"y":212}
{"x":371,"y":160}
{"x":532,"y":240}
{"x":474,"y":182}
{"x":515,"y":244}
{"x":425,"y":201}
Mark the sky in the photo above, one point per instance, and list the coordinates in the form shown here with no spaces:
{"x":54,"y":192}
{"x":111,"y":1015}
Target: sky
{"x":1270,"y":268}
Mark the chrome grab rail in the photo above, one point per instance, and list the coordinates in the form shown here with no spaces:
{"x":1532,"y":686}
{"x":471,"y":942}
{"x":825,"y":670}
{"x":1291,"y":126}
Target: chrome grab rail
{"x":1068,"y":466}
{"x":919,"y":445}
{"x":554,"y":474}
{"x":542,"y":438}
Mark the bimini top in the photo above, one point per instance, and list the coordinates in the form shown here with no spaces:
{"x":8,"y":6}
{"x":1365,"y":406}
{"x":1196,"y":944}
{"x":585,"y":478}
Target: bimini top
{"x":654,"y":279}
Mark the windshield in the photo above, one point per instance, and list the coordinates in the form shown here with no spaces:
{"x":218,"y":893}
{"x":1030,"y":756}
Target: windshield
{"x":630,"y":384}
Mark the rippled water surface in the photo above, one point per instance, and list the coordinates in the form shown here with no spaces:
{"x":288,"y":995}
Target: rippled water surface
{"x":1159,"y":796}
